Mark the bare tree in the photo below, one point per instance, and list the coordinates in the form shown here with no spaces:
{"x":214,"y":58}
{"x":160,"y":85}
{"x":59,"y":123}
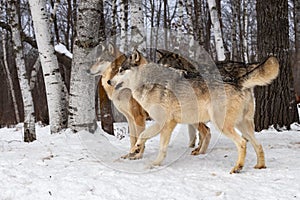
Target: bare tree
{"x":245,"y":31}
{"x":275,"y":104}
{"x":82,"y":114}
{"x":9,"y":78}
{"x":29,"y":117}
{"x":137,"y":25}
{"x":55,"y":88}
{"x":297,"y":47}
{"x":217,"y":30}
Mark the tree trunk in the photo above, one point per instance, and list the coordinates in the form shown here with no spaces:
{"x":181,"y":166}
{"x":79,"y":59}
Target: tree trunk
{"x":137,"y":25}
{"x":179,"y":26}
{"x":9,"y":78}
{"x":190,"y":27}
{"x":55,"y":89}
{"x":82,"y":115}
{"x":29,"y":116}
{"x":275,"y":104}
{"x":217,"y":30}
{"x":297,"y":47}
{"x":123,"y":22}
{"x":235,"y":9}
{"x":245,"y":31}
{"x":106,"y":115}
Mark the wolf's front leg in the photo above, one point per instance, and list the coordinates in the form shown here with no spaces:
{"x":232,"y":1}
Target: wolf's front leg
{"x":165,"y":136}
{"x":143,"y":137}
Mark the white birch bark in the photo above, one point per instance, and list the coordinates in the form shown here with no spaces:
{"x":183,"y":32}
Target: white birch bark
{"x":245,"y":35}
{"x":217,"y":30}
{"x":82,"y":115}
{"x":189,"y":24}
{"x":179,"y":25}
{"x":123,"y":34}
{"x":137,"y":25}
{"x":29,"y":116}
{"x":56,"y":91}
{"x":9,"y":78}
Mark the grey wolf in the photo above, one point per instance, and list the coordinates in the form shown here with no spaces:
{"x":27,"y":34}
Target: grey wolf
{"x":169,"y":59}
{"x":107,"y":65}
{"x":170,"y":97}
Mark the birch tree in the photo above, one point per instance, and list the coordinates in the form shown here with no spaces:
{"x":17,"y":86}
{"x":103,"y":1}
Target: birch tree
{"x":190,"y":26}
{"x":82,"y":114}
{"x":55,"y":89}
{"x":217,"y":30}
{"x":137,"y":25}
{"x":29,"y":117}
{"x":245,"y":31}
{"x":123,"y":24}
{"x":179,"y":25}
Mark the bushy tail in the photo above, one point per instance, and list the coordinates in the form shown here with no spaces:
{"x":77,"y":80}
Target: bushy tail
{"x":261,"y":74}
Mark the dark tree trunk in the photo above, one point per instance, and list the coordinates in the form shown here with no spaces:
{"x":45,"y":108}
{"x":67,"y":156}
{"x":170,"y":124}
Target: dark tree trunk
{"x":297,"y":47}
{"x":275,"y":104}
{"x":105,"y":111}
{"x":106,"y":115}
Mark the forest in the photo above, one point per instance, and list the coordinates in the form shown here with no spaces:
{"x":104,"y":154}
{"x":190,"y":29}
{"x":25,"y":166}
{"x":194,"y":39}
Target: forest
{"x":46,"y":46}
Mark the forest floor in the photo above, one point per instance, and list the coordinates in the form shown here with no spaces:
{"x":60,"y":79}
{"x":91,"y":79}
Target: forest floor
{"x":88,"y":166}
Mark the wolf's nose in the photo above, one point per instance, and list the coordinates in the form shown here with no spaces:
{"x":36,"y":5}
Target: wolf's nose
{"x":88,"y":71}
{"x":109,"y":82}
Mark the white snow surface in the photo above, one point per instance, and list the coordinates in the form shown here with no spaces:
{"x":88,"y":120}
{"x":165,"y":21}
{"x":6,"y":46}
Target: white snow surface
{"x":62,"y":49}
{"x":88,"y":166}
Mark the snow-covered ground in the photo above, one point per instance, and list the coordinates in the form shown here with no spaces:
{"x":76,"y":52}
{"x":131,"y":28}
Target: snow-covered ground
{"x":87,"y":166}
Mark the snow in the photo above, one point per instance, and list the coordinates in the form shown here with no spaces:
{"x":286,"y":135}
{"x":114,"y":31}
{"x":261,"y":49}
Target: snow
{"x":62,"y":49}
{"x":87,"y":166}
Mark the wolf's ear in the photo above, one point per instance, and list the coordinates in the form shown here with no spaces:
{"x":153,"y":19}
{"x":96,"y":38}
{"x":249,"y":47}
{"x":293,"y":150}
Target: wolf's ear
{"x":175,"y":55}
{"x":102,"y":47}
{"x":160,"y":53}
{"x":136,"y":56}
{"x":111,"y":48}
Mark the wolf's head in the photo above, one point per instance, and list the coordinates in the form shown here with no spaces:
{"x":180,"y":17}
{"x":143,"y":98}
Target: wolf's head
{"x":124,"y":78}
{"x":109,"y":54}
{"x":134,"y":60}
{"x":174,"y":60}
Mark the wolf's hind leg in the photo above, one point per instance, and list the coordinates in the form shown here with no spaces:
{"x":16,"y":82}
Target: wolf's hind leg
{"x":247,"y":129}
{"x":204,"y":139}
{"x":192,"y":135}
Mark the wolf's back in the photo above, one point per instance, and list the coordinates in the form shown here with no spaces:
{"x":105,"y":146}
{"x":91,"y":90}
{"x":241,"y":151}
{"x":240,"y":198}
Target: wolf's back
{"x":262,"y":74}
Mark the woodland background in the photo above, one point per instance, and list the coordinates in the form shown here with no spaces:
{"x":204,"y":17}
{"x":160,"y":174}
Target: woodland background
{"x":251,"y":30}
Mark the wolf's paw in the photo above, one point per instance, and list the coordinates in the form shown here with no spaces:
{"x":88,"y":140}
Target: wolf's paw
{"x":135,"y":156}
{"x":260,"y":166}
{"x":135,"y":153}
{"x":126,"y":156}
{"x":195,"y":152}
{"x":236,"y":169}
{"x":155,"y":163}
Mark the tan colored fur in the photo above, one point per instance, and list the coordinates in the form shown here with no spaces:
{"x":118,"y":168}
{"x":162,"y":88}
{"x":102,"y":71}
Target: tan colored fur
{"x":108,"y":65}
{"x":192,"y":101}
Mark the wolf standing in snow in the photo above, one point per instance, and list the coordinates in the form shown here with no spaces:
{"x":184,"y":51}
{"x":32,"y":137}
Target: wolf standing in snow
{"x":170,"y":96}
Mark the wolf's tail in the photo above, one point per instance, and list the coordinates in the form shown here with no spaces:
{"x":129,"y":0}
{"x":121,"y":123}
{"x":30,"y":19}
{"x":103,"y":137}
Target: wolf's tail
{"x":261,"y":74}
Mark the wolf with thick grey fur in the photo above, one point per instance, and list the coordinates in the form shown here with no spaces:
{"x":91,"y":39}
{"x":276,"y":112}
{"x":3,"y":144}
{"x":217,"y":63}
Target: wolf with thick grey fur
{"x":170,"y":97}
